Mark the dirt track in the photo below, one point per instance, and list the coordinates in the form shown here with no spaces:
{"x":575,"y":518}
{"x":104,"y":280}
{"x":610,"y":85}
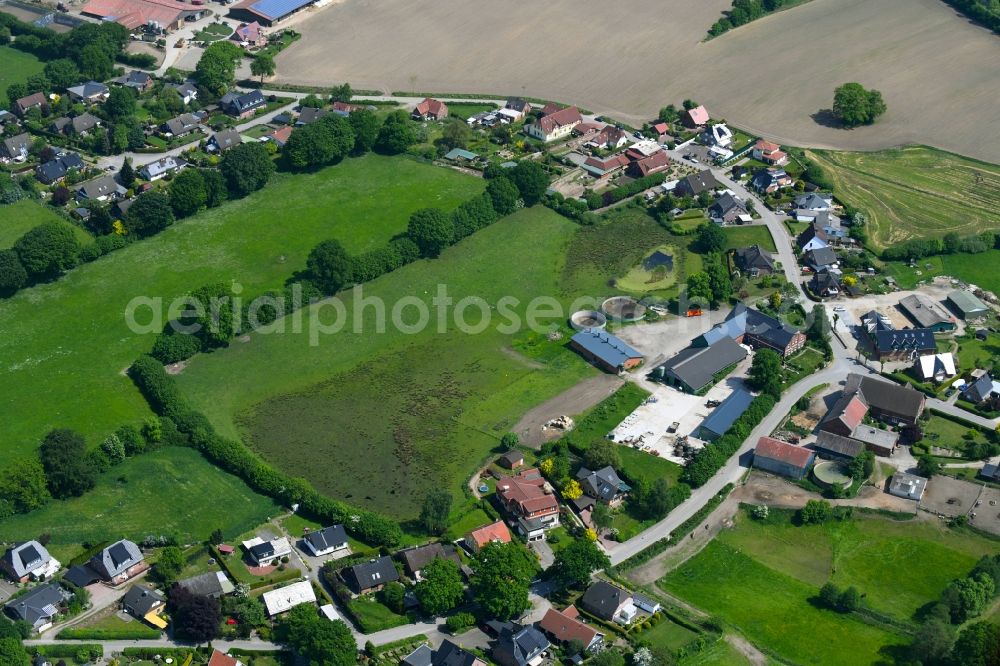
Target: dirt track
{"x":770,"y":76}
{"x":571,"y":402}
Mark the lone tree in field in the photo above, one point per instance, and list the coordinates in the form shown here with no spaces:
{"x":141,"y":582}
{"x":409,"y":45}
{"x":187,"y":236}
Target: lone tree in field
{"x":262,"y":65}
{"x":853,"y":105}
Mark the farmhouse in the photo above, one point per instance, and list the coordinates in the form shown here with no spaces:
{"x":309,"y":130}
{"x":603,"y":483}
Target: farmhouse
{"x":769,"y":153}
{"x":249,"y":35}
{"x":695,"y":184}
{"x":563,"y":626}
{"x":754,"y":328}
{"x":286,"y":598}
{"x":39,"y":607}
{"x":555,"y":125}
{"x":33,"y":101}
{"x":753,"y":261}
{"x":892,"y":403}
{"x":603,"y":167}
{"x":430,"y":109}
{"x":878,"y":441}
{"x":782,"y":458}
{"x":415,"y":559}
{"x":495,"y":532}
{"x":16,"y":148}
{"x":139,"y":81}
{"x":90,"y":92}
{"x":838,"y":445}
{"x":144,"y":603}
{"x":936,"y":367}
{"x":242,"y":106}
{"x":845,"y":415}
{"x":222,"y":141}
{"x":891,"y":344}
{"x":213,"y":584}
{"x":448,"y":654}
{"x":326,"y":541}
{"x":725,"y":415}
{"x":161,"y":167}
{"x":695,"y":117}
{"x":263,"y":553}
{"x":268,"y":12}
{"x":119,"y":562}
{"x":609,"y":602}
{"x":695,"y":368}
{"x":604,"y":485}
{"x":530,"y":501}
{"x":154,"y":15}
{"x":907,"y":486}
{"x":370,"y":576}
{"x":927,"y":314}
{"x":28,"y":561}
{"x":727,"y":209}
{"x":604,"y":350}
{"x":967,"y":305}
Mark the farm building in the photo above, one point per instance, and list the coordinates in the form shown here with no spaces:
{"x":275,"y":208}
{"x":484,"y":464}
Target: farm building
{"x":927,"y":314}
{"x":555,"y":125}
{"x":725,"y":415}
{"x":838,"y":445}
{"x":512,"y":459}
{"x":878,"y":441}
{"x":782,"y":458}
{"x":606,"y":351}
{"x":967,"y":305}
{"x":907,"y":486}
{"x":756,"y":329}
{"x":156,"y":15}
{"x":267,"y":12}
{"x":892,"y":403}
{"x":890,"y":344}
{"x":695,"y":368}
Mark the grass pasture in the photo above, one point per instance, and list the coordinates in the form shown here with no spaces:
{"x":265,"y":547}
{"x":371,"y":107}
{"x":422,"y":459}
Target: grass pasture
{"x":52,"y":374}
{"x":747,"y":235}
{"x":15,"y":67}
{"x":17,"y":219}
{"x":916,"y":191}
{"x":380,"y":418}
{"x":170,"y":491}
{"x":465,"y":110}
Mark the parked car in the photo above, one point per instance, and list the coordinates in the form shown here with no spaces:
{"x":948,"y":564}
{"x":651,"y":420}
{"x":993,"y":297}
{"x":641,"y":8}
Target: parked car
{"x":840,"y":308}
{"x":674,"y":426}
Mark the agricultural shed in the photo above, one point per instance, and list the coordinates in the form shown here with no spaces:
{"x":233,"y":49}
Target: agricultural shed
{"x":608,"y":352}
{"x":782,"y":458}
{"x":725,"y":415}
{"x":967,"y":305}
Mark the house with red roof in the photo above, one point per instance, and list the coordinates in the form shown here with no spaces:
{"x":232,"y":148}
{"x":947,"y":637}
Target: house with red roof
{"x":223,"y":659}
{"x":430,"y":109}
{"x":554,"y":125}
{"x":778,"y":457}
{"x":479,"y":537}
{"x":565,"y":626}
{"x":769,"y":153}
{"x":154,"y":15}
{"x":608,"y":138}
{"x":696,"y":117}
{"x":661,"y":131}
{"x":845,"y":415}
{"x":279,"y":135}
{"x":249,"y":35}
{"x":647,"y":166}
{"x":604,"y":167}
{"x":531,"y":503}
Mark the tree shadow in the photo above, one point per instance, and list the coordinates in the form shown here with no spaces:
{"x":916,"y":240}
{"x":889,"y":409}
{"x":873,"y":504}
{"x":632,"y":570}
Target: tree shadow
{"x":826,"y":118}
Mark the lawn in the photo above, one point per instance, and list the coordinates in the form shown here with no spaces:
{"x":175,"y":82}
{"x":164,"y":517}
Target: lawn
{"x":213,"y":32}
{"x":773,"y":609}
{"x":668,"y":635}
{"x":747,"y":235}
{"x":719,"y":653}
{"x":378,"y":419}
{"x":915,"y":192}
{"x":372,"y":616}
{"x":650,"y":275}
{"x":19,"y":218}
{"x":465,"y":111}
{"x":67,"y":343}
{"x":973,"y":353}
{"x":15,"y":67}
{"x":966,"y":267}
{"x":802,"y":365}
{"x":170,"y":491}
{"x":947,"y":434}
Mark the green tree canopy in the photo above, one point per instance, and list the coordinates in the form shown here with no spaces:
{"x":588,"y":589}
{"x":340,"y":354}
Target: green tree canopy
{"x":12,"y":273}
{"x":149,"y":214}
{"x":317,"y":640}
{"x":323,"y":142}
{"x":853,"y":105}
{"x":47,"y":250}
{"x":711,"y":238}
{"x":440,"y":588}
{"x":396,"y":135}
{"x":435,"y":510}
{"x":217,"y":66}
{"x":431,"y":230}
{"x":765,"y":372}
{"x":262,"y":65}
{"x":246,"y":168}
{"x":330,"y":267}
{"x":68,"y":469}
{"x":120,"y":103}
{"x":187,"y":192}
{"x":576,"y":562}
{"x":23,"y":487}
{"x":531,"y":181}
{"x":504,"y":195}
{"x":366,"y":128}
{"x":502,"y":574}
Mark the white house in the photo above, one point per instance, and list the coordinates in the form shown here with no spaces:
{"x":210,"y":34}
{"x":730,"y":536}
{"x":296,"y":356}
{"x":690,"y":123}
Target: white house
{"x":554,"y":126}
{"x":286,"y":598}
{"x":326,"y":541}
{"x":719,"y":135}
{"x":265,"y":552}
{"x":938,"y":367}
{"x":907,"y":486}
{"x":161,"y":167}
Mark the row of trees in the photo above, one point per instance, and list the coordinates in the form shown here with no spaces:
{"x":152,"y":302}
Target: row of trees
{"x":710,"y":458}
{"x":744,"y":11}
{"x":89,"y":50}
{"x":334,"y":137}
{"x":950,"y":243}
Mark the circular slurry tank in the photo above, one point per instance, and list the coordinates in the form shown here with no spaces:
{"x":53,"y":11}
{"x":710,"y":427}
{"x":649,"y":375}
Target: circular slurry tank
{"x":584,"y":319}
{"x":832,"y":473}
{"x":623,"y":308}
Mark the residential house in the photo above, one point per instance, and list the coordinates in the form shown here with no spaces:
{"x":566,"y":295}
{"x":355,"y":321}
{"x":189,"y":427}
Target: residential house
{"x":821,"y":259}
{"x":609,"y":603}
{"x":119,"y":562}
{"x":326,"y":541}
{"x":727,"y":209}
{"x":609,"y":138}
{"x":512,"y":459}
{"x":415,"y":559}
{"x":936,"y":367}
{"x":825,"y":283}
{"x":223,"y":659}
{"x":183,"y":124}
{"x":36,"y":100}
{"x":695,"y":184}
{"x":222,"y":141}
{"x":430,"y":109}
{"x":769,"y":153}
{"x":448,"y":654}
{"x":120,"y":208}
{"x":564,"y":626}
{"x":161,"y":167}
{"x":888,"y":402}
{"x":39,"y":607}
{"x":91,"y":92}
{"x":845,"y":415}
{"x":213,"y":584}
{"x":187,"y":90}
{"x":264,"y":553}
{"x":345,"y":109}
{"x":605,"y":167}
{"x":7,"y":118}
{"x":606,"y":351}
{"x":767,"y":181}
{"x":718,"y":135}
{"x":725,"y":415}
{"x":144,"y":603}
{"x":812,"y":238}
{"x":773,"y":455}
{"x":925,"y":313}
{"x":28,"y":560}
{"x":309,"y":115}
{"x":647,"y":166}
{"x":695,"y":368}
{"x":752,"y":327}
{"x":806,"y":206}
{"x":983,"y":392}
{"x":519,"y":106}
{"x":157,"y":16}
{"x":554,"y":125}
{"x":603,"y":485}
{"x":907,"y":486}
{"x":370,"y":576}
{"x":137,"y":80}
{"x":520,"y":646}
{"x":288,"y":597}
{"x":643,"y":149}
{"x":660,"y":132}
{"x":479,"y":537}
{"x":242,"y":105}
{"x":647,"y":604}
{"x":78,"y":125}
{"x":753,"y":261}
{"x":279,"y":135}
{"x":530,"y":502}
{"x":16,"y":148}
{"x":967,"y":305}
{"x":249,"y":35}
{"x":694,"y":118}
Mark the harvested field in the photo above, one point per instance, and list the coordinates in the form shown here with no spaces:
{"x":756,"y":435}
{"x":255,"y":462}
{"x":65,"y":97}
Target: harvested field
{"x":905,"y":48}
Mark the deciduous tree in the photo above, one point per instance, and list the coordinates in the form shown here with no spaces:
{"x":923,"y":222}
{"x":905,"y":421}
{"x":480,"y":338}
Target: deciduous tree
{"x":68,"y":469}
{"x":502,"y":574}
{"x":575,"y":563}
{"x":440,"y":588}
{"x":330,"y":267}
{"x":435,"y":510}
{"x":431,"y":230}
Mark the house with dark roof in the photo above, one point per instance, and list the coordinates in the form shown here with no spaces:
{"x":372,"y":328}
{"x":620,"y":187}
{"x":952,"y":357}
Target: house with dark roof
{"x":530,"y":502}
{"x":28,"y":560}
{"x":119,"y":562}
{"x":606,"y":351}
{"x":16,"y":148}
{"x":187,"y":90}
{"x":812,"y":238}
{"x":520,"y":646}
{"x":370,"y":576}
{"x":268,"y":12}
{"x":696,"y":183}
{"x":811,"y":203}
{"x":430,"y":109}
{"x":244,"y":105}
{"x":309,"y":115}
{"x":905,"y":345}
{"x":725,"y":415}
{"x":753,"y":261}
{"x":820,"y":259}
{"x":609,"y":603}
{"x":213,"y":584}
{"x":556,"y":124}
{"x":565,"y":626}
{"x":183,"y":124}
{"x":695,"y":368}
{"x":137,"y":80}
{"x":838,"y":446}
{"x":222,"y":141}
{"x":777,"y":457}
{"x":143,"y":603}
{"x":752,"y":327}
{"x":263,"y":553}
{"x":511,"y":459}
{"x":36,"y":100}
{"x":983,"y":392}
{"x":321,"y":543}
{"x":55,"y":170}
{"x":888,"y":402}
{"x":77,"y":125}
{"x":727,"y":209}
{"x":603,"y":485}
{"x":518,"y":105}
{"x":90,"y":92}
{"x":825,"y":283}
{"x":415,"y":559}
{"x":925,"y":313}
{"x":38,"y":607}
{"x":448,"y":654}
{"x":766,"y":181}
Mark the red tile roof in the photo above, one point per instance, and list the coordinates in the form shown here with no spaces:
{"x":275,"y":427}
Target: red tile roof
{"x":525,"y":493}
{"x":568,"y":116}
{"x":248,"y":32}
{"x":618,"y":161}
{"x":280,"y":134}
{"x":775,"y":449}
{"x":661,"y":128}
{"x":653,"y":164}
{"x":766,"y":146}
{"x":551,"y":107}
{"x":698,"y":115}
{"x":430,"y":106}
{"x":222,"y":659}
{"x":565,"y":627}
{"x":496,"y":532}
{"x":135,"y":13}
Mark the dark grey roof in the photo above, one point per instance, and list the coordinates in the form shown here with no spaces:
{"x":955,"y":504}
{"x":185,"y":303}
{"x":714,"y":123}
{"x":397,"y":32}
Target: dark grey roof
{"x":812,"y":201}
{"x":328,"y":537}
{"x":725,"y":415}
{"x":422,"y":656}
{"x":88,"y":89}
{"x":55,"y":169}
{"x":517,"y":646}
{"x":516,"y":103}
{"x":763,"y":327}
{"x":809,"y":233}
{"x":135,"y":79}
{"x":82,"y":575}
{"x":604,"y":484}
{"x":242,"y":103}
{"x":186,"y":89}
{"x":603,"y":599}
{"x":185,"y":122}
{"x":916,"y":340}
{"x":450,"y":654}
{"x":886,"y":396}
{"x":418,"y":557}
{"x":116,"y":558}
{"x":310,"y":115}
{"x":37,"y":606}
{"x":24,"y":558}
{"x":824,"y":279}
{"x":204,"y":585}
{"x":979,"y":390}
{"x":822,"y":256}
{"x":371,"y":574}
{"x":226,"y":139}
{"x":609,"y":348}
{"x":838,"y":444}
{"x":747,"y":258}
{"x":924,"y":311}
{"x":699,"y":182}
{"x":724,"y":204}
{"x":17,"y":144}
{"x":695,"y":367}
{"x":262,"y":550}
{"x":140,"y":599}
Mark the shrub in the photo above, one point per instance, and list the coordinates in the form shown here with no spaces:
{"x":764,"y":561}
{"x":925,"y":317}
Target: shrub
{"x":459,"y":622}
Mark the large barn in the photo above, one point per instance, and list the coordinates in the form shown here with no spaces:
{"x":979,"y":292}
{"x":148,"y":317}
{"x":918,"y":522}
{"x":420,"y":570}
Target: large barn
{"x":267,"y":12}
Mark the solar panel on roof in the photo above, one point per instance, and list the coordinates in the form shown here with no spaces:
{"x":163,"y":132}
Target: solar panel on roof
{"x":277,"y":8}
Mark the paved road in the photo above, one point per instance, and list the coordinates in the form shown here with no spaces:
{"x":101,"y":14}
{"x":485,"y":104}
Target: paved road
{"x":952,"y":410}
